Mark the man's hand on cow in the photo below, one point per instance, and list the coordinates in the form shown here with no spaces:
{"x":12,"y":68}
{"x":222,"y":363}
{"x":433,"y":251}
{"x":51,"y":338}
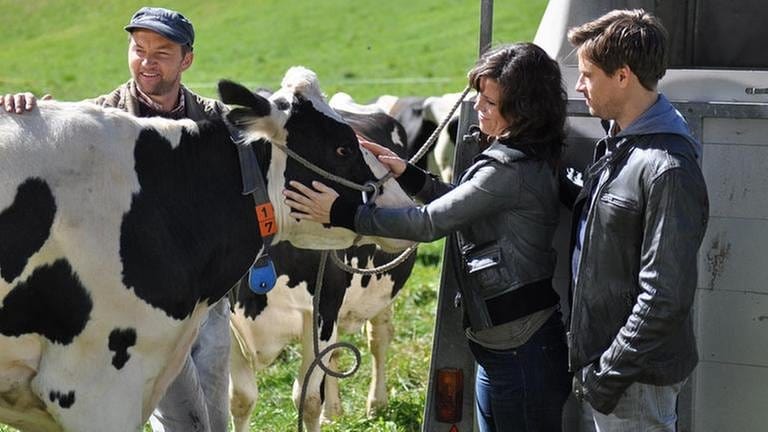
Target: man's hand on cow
{"x":20,"y":102}
{"x":310,"y":204}
{"x":386,"y":156}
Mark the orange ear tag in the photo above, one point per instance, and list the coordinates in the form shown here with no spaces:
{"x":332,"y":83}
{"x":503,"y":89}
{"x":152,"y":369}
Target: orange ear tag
{"x":265,"y":214}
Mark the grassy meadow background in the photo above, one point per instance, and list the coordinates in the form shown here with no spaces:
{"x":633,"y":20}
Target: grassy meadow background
{"x":75,"y":49}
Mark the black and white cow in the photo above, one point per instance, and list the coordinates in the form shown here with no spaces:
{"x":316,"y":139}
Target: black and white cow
{"x":263,"y":324}
{"x":117,"y":233}
{"x":419,"y":116}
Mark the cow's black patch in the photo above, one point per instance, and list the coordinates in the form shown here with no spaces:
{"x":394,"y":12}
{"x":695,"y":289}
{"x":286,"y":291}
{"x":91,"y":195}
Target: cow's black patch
{"x":235,"y":94}
{"x":328,"y":143}
{"x":190,"y":234}
{"x":251,"y":303}
{"x":399,"y":274}
{"x":409,"y":112}
{"x":24,"y":226}
{"x":64,"y":400}
{"x":285,"y":258}
{"x":119,"y":342}
{"x":51,"y":302}
{"x":378,"y":127}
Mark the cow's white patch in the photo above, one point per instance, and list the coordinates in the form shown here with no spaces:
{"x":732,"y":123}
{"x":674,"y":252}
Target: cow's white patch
{"x":386,"y":102}
{"x":344,"y":102}
{"x":169,"y":129}
{"x":270,"y":128}
{"x":396,"y":138}
{"x":302,"y":80}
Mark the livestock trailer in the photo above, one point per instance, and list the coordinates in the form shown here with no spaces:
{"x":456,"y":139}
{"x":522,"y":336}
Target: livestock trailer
{"x":718,"y":79}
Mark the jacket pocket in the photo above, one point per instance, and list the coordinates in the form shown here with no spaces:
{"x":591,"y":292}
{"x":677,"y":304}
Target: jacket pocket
{"x":621,"y":202}
{"x":485,"y":267}
{"x":620,"y":215}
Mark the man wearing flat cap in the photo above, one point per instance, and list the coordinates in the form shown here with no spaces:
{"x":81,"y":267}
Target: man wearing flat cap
{"x":159,"y":51}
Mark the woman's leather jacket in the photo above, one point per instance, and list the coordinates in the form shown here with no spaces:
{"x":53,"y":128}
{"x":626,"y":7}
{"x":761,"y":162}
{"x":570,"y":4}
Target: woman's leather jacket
{"x":505,"y":208}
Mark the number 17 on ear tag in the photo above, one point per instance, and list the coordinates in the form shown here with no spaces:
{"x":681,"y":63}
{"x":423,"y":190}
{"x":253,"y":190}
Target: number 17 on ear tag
{"x":262,"y":276}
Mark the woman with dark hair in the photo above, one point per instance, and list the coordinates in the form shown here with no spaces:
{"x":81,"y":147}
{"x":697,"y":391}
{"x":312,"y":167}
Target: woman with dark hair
{"x":504,"y":211}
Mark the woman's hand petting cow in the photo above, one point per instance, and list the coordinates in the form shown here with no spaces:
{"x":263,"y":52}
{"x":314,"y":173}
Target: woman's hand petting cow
{"x":315,"y":203}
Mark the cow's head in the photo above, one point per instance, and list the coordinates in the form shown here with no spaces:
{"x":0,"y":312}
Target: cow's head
{"x":297,"y":116}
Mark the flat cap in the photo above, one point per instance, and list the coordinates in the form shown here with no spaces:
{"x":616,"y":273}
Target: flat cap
{"x":168,"y":23}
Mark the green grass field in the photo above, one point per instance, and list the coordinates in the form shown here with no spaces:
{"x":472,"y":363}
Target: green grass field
{"x":74,"y":49}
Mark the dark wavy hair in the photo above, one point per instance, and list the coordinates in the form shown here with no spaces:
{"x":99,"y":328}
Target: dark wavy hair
{"x":533,"y":98}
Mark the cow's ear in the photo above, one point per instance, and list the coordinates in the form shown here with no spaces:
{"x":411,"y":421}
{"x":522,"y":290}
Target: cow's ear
{"x":234,"y":94}
{"x":239,"y":117}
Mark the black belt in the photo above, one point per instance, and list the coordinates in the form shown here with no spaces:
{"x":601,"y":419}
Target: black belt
{"x":522,"y":301}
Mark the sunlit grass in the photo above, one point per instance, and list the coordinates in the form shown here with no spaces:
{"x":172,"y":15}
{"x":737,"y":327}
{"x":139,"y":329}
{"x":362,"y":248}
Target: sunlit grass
{"x":76,"y":49}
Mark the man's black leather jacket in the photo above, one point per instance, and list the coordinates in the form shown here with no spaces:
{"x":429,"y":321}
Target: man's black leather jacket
{"x":631,"y":300}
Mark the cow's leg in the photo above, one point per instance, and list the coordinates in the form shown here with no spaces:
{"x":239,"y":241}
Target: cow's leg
{"x":380,"y":334}
{"x":312,"y":399}
{"x":245,"y":390}
{"x":332,"y":408}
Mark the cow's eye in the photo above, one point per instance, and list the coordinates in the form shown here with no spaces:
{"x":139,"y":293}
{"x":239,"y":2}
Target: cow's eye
{"x":343,"y":151}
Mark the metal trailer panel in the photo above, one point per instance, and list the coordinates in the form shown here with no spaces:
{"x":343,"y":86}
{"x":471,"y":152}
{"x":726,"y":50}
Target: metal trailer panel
{"x":733,"y":256}
{"x":730,"y":384}
{"x":736,"y":402}
{"x":702,"y":33}
{"x":449,"y":346}
{"x":734,"y":324}
{"x":736,"y":177}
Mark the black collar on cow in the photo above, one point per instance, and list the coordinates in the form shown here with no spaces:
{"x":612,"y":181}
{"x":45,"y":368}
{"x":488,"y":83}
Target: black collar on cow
{"x":261,"y":276}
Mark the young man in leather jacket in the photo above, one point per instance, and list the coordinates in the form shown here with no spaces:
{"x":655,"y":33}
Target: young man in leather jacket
{"x":638,"y":222}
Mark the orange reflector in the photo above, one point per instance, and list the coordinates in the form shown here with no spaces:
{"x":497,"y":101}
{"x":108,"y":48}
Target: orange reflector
{"x":450,"y":395}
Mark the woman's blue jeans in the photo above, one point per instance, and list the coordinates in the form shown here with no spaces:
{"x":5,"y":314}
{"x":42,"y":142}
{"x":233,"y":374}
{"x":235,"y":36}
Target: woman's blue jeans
{"x":524,"y":389}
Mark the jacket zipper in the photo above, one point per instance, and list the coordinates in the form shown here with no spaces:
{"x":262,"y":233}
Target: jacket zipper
{"x":618,"y":154}
{"x":576,"y":291}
